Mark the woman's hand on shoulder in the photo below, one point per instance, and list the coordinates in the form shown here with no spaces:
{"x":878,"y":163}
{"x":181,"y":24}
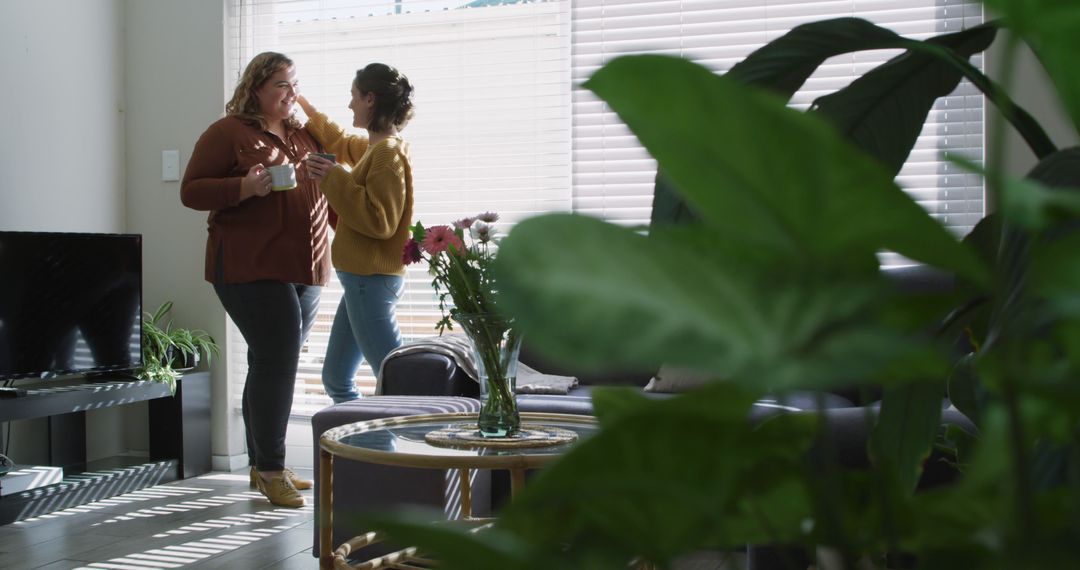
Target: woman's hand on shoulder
{"x":256,"y":183}
{"x":306,"y":105}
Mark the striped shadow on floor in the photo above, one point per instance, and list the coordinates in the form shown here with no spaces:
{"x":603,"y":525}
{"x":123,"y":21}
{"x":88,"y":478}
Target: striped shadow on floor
{"x":214,"y":521}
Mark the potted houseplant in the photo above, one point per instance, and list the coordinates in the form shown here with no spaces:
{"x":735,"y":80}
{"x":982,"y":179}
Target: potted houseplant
{"x":168,"y":350}
{"x":773,"y":284}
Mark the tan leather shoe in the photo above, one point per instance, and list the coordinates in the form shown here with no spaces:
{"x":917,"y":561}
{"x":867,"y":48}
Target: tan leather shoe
{"x":297,"y":481}
{"x":281,"y":492}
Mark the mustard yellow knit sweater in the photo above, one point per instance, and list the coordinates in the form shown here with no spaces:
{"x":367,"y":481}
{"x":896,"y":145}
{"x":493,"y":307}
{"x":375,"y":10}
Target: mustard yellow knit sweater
{"x":374,"y":201}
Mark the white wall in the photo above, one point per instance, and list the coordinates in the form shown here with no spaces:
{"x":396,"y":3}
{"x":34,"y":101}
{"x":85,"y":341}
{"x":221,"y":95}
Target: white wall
{"x":62,"y":153}
{"x":175,"y":87}
{"x":94,"y":92}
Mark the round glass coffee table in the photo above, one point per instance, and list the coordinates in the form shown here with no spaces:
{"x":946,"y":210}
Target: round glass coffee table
{"x":403,"y":442}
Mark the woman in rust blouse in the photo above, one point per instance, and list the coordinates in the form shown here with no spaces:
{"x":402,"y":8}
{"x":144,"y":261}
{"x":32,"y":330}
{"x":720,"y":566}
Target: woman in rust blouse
{"x":267,"y":253}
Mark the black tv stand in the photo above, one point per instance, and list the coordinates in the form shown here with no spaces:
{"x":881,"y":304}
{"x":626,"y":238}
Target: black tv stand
{"x":7,"y":392}
{"x":179,"y":440}
{"x":103,"y":377}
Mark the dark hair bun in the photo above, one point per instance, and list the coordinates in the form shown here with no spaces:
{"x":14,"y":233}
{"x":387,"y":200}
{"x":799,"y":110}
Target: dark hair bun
{"x":393,"y":95}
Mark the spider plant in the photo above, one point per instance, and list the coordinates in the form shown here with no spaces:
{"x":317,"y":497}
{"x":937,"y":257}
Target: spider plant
{"x":167,"y":349}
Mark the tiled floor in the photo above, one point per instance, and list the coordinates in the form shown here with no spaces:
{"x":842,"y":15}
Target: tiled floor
{"x":214,"y":521}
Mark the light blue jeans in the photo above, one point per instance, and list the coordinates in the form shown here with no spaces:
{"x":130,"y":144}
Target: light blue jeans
{"x":365,"y":327}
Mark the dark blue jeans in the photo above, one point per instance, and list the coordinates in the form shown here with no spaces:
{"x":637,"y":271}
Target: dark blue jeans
{"x":275,"y":319}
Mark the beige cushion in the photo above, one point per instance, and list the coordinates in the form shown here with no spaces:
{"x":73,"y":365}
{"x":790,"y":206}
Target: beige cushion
{"x":677,"y":379}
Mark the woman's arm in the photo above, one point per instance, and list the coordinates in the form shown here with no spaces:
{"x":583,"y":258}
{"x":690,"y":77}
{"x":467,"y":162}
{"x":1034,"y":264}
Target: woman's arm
{"x":348,"y":148}
{"x":372,"y":207}
{"x":206,"y":185}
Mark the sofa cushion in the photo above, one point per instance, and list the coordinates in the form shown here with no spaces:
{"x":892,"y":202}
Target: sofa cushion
{"x":425,"y":374}
{"x":579,"y":401}
{"x":592,"y":378}
{"x":674,"y":379}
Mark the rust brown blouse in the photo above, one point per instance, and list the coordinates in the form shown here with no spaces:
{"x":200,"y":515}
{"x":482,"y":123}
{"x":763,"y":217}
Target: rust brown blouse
{"x":281,"y":236}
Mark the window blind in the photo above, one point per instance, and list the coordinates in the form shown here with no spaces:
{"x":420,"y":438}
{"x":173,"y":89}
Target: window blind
{"x":613,"y":176}
{"x":503,"y":124}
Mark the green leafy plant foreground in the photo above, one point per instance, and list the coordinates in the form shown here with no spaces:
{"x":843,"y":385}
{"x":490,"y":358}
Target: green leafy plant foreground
{"x":770,"y":281}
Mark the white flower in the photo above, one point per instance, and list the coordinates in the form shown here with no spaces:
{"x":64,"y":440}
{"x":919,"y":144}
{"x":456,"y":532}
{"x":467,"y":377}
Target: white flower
{"x":482,"y":232}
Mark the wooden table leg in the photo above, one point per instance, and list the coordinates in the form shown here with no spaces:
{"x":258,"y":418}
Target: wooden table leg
{"x":517,"y":481}
{"x":466,"y":494}
{"x":326,"y":509}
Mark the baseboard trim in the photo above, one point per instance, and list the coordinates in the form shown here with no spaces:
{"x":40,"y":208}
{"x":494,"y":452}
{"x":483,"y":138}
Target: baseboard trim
{"x":229,"y":463}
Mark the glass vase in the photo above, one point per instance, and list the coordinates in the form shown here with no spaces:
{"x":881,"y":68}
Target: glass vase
{"x":495,"y":346}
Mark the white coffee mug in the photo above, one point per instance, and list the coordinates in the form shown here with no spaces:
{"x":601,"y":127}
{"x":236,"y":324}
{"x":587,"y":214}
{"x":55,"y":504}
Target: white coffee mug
{"x":283,"y":177}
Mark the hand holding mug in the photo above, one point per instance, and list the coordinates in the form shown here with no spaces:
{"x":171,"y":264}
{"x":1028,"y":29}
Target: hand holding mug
{"x":256,"y":183}
{"x":318,"y":164}
{"x":282,"y":176}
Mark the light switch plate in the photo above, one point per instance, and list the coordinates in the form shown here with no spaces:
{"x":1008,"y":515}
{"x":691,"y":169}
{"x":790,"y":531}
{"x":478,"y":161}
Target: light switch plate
{"x":170,"y":165}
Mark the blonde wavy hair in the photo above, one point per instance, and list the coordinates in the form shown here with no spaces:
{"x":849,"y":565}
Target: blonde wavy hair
{"x":244,"y":104}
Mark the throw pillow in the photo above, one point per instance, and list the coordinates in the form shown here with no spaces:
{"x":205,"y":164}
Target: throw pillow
{"x":677,"y":379}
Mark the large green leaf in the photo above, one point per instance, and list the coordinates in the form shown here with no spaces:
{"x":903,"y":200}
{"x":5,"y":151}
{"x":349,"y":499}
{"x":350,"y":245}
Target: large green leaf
{"x":1059,"y":170}
{"x":578,"y":285}
{"x":1055,"y":274}
{"x":1033,"y":252}
{"x":1050,"y":27}
{"x":1056,"y":191}
{"x":453,"y":545}
{"x":883,"y":111}
{"x":668,"y":207}
{"x":734,"y":176}
{"x":1048,"y":195}
{"x":658,"y":480}
{"x":784,"y":64}
{"x":675,"y":475}
{"x":906,"y":429}
{"x":965,"y":391}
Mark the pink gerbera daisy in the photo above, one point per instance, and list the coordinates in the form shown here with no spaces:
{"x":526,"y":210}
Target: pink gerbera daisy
{"x":439,"y":238}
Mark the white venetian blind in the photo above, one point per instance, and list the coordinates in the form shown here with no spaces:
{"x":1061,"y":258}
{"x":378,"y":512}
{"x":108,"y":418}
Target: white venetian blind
{"x":613,"y":176}
{"x":502,"y":123}
{"x":491,"y":129}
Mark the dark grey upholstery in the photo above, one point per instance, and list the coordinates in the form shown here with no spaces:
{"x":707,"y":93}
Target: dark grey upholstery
{"x":362,"y":487}
{"x":579,"y":401}
{"x":620,"y":377}
{"x":426,"y":374}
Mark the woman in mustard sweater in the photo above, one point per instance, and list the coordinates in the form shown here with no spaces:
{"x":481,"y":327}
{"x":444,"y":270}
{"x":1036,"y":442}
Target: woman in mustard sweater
{"x":374,"y":205}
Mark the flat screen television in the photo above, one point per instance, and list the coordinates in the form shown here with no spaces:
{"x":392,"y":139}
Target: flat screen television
{"x":70,"y":303}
